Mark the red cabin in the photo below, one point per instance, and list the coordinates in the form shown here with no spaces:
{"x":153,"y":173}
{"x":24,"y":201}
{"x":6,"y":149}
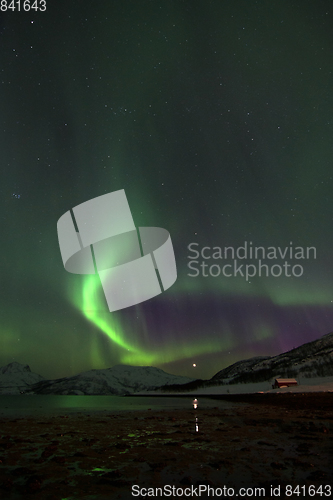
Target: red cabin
{"x":284,"y":382}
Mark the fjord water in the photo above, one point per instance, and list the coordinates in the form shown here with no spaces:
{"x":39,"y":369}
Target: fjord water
{"x":57,"y":405}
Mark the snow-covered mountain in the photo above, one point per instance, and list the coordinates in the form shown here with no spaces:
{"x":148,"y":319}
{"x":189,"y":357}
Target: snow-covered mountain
{"x":119,"y":380}
{"x":310,"y":360}
{"x":16,"y":378}
{"x":314,"y":359}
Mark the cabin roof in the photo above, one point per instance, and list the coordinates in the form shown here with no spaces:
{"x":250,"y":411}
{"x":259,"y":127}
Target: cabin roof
{"x":285,"y":380}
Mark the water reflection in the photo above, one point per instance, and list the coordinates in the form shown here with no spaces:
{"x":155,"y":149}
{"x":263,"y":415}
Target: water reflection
{"x":195,"y":407}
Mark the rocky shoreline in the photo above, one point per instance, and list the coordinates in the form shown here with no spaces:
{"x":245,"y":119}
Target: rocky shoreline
{"x":268,"y":441}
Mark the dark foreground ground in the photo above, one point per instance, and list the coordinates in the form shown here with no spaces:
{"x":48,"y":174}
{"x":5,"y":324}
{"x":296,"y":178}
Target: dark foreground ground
{"x":268,"y":441}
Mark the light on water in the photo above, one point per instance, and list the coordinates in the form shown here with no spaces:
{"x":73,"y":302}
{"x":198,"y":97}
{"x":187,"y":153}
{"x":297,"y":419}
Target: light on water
{"x":55,"y":405}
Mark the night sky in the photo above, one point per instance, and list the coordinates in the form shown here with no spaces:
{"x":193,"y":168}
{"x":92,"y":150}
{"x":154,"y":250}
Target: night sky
{"x":216,"y":118}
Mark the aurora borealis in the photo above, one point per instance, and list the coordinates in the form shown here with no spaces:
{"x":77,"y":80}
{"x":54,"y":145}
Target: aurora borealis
{"x":216,"y":119}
